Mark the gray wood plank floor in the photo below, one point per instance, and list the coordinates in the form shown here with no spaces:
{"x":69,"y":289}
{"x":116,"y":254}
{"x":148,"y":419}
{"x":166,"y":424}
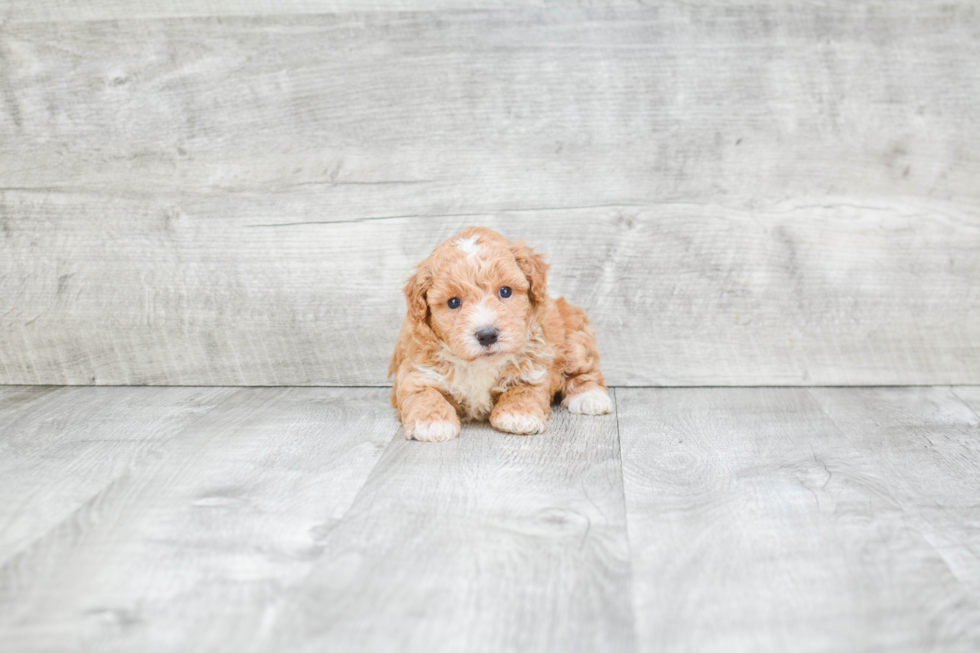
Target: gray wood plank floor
{"x":299,"y":519}
{"x":795,"y":519}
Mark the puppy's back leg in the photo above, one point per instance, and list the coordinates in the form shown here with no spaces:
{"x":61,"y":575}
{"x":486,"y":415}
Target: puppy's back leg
{"x":585,"y":390}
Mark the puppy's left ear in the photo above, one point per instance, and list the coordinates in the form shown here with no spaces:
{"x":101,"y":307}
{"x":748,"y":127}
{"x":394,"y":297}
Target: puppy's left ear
{"x":534,"y":268}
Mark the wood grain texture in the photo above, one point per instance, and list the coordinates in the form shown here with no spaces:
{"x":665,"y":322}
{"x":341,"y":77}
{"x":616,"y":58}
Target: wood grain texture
{"x":762,"y":194}
{"x":491,"y":542}
{"x":758,"y":523}
{"x":65,"y":446}
{"x":47,"y":11}
{"x":680,"y":295}
{"x":970,"y":395}
{"x":190,"y":548}
{"x":16,"y":400}
{"x":299,"y":519}
{"x":927,"y":443}
{"x":414,"y":113}
{"x":34,"y":11}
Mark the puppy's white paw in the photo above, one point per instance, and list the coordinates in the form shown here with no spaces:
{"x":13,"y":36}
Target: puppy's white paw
{"x":591,"y":402}
{"x":519,"y":423}
{"x":434,"y":431}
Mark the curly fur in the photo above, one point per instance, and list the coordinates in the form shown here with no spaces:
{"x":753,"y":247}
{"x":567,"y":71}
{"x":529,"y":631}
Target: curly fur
{"x":544,"y":348}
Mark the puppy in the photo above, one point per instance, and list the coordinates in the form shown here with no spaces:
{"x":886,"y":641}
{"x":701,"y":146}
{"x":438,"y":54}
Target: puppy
{"x":483,"y":340}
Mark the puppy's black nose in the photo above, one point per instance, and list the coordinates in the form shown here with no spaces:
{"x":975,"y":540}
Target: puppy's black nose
{"x":487,"y":336}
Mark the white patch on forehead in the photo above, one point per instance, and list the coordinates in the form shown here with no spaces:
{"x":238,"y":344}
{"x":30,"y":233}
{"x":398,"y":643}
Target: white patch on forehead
{"x":469,"y":246}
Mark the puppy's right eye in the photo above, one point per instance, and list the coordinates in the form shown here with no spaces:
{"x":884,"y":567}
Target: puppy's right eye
{"x":454,"y":302}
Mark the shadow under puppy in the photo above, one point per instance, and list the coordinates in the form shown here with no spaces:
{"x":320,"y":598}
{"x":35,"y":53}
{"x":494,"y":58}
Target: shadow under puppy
{"x":482,"y":339}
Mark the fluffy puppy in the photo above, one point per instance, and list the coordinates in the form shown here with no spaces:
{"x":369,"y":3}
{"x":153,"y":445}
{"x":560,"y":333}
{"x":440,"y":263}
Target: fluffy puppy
{"x":483,"y":340}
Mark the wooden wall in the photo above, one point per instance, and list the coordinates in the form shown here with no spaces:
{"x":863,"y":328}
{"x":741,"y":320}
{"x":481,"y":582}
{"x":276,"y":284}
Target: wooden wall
{"x":232,"y":193}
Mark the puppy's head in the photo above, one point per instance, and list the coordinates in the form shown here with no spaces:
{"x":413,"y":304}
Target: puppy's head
{"x":476,"y":293}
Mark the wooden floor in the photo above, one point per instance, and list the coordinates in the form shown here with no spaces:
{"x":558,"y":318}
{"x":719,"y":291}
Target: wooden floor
{"x":299,"y":519}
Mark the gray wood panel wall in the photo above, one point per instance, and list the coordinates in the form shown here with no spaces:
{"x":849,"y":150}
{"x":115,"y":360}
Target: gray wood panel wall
{"x":223,"y":193}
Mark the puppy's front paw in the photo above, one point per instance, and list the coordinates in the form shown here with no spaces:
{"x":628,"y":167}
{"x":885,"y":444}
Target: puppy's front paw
{"x":517,"y":421}
{"x":591,"y":402}
{"x":432,"y":431}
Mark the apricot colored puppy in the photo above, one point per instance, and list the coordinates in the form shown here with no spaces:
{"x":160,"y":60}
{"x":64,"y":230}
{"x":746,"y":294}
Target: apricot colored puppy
{"x":483,"y":340}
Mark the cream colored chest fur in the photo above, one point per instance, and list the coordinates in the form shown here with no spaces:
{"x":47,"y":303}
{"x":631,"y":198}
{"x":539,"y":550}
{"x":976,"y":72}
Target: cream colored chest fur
{"x":472,"y":385}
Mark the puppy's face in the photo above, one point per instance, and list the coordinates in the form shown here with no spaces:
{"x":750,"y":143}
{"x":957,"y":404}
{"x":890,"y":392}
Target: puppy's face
{"x":477,"y":293}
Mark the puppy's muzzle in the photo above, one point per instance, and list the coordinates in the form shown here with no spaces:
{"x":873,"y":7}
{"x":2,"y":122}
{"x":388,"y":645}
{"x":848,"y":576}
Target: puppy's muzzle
{"x":487,"y":337}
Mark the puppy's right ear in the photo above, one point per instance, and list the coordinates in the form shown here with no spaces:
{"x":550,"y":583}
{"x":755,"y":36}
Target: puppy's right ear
{"x":415,"y":291}
{"x":534,"y":268}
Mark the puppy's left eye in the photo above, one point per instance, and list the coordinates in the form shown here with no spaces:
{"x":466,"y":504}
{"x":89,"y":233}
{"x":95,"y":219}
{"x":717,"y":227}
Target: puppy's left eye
{"x":504,"y":292}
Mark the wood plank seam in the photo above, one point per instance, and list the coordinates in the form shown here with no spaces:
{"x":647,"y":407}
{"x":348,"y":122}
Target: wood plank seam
{"x":157,"y":445}
{"x":13,"y":579}
{"x":694,"y":461}
{"x":916,"y":517}
{"x":775,"y":240}
{"x":208,"y":466}
{"x":629,"y":540}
